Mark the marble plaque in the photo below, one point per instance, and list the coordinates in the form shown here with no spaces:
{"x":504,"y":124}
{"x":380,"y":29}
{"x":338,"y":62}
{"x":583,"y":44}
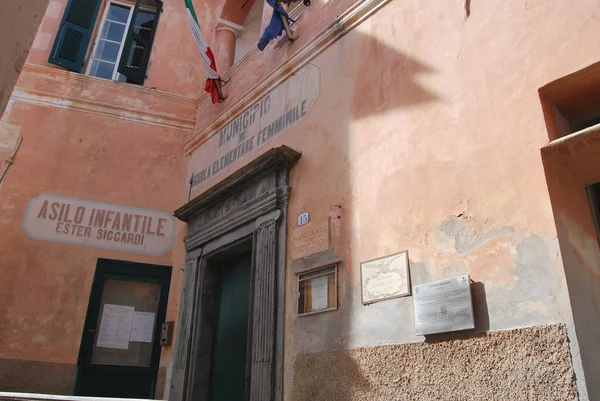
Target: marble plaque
{"x":385,"y":278}
{"x":443,"y":306}
{"x":310,"y":239}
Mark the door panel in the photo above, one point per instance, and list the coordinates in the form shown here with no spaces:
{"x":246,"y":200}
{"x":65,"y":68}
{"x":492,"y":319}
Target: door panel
{"x":230,"y":341}
{"x":120,"y":348}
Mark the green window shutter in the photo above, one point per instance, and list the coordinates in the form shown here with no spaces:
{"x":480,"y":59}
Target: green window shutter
{"x":74,"y":33}
{"x":138,"y":44}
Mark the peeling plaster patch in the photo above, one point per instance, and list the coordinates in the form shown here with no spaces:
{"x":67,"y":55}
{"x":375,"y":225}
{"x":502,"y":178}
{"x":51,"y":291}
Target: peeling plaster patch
{"x":532,"y":268}
{"x":533,"y":298}
{"x":454,"y":269}
{"x":455,"y":248}
{"x":521,"y":275}
{"x":465,"y":239}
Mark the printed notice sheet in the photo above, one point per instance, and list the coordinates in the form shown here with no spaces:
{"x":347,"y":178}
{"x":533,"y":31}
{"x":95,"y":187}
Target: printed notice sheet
{"x":319,"y":293}
{"x":142,"y":327}
{"x":115,"y":326}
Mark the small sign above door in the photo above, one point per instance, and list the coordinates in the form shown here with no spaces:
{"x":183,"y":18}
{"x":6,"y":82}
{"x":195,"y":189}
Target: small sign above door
{"x":101,"y":225}
{"x":310,"y":239}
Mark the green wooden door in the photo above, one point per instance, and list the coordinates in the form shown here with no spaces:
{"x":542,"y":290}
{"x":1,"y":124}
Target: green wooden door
{"x":230,"y":341}
{"x":120,"y":347}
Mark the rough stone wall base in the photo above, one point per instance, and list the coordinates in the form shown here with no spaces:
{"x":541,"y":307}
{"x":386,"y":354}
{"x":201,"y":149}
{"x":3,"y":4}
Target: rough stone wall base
{"x":523,"y":364}
{"x":20,"y":376}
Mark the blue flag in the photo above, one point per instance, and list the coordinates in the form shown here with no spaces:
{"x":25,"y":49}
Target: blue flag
{"x":275,"y":27}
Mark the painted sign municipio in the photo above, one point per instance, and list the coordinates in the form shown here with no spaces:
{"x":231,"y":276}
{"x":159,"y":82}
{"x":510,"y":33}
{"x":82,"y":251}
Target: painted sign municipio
{"x":255,"y":127}
{"x":444,"y":306}
{"x":310,"y":239}
{"x":385,"y":278}
{"x":101,"y":225}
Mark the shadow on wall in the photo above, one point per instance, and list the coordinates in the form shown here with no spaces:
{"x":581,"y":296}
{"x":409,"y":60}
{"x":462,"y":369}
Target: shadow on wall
{"x":19,"y":22}
{"x":383,"y":79}
{"x":480,"y":308}
{"x":321,"y":380}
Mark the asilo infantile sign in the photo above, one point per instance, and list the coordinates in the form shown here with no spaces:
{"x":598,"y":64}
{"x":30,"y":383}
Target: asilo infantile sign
{"x":101,"y":225}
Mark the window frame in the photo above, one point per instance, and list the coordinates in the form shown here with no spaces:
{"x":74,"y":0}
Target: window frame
{"x":100,"y":25}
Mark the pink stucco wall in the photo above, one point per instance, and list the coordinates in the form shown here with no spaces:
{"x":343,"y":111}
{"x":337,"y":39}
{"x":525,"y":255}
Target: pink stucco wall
{"x":93,"y":139}
{"x":426,"y":136}
{"x":97,"y":140}
{"x":427,"y":132}
{"x":18,"y":27}
{"x":67,"y":152}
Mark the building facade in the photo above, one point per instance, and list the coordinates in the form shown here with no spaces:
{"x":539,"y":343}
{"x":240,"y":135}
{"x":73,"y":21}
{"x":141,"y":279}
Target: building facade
{"x":18,"y":25}
{"x":273,"y":246}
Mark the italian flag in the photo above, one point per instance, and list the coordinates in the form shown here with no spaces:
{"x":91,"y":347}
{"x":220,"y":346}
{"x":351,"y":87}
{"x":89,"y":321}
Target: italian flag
{"x":213,"y":80}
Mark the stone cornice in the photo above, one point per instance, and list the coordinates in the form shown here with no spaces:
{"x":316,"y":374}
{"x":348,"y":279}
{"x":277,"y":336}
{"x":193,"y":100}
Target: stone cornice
{"x":47,"y":99}
{"x":247,"y":175}
{"x":74,"y":77}
{"x":343,"y":24}
{"x":67,"y":96}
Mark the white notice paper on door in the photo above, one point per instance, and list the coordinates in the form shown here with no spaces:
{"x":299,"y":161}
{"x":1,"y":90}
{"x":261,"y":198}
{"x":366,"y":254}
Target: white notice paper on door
{"x":319,"y":293}
{"x":142,"y":328}
{"x":115,"y":326}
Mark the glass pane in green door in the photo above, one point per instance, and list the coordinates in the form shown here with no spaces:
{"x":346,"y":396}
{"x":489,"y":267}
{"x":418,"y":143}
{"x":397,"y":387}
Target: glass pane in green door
{"x":125,"y":327}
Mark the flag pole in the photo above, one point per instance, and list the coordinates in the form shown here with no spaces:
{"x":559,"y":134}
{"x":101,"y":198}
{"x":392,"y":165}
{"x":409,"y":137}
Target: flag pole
{"x":217,"y":83}
{"x":286,"y":26}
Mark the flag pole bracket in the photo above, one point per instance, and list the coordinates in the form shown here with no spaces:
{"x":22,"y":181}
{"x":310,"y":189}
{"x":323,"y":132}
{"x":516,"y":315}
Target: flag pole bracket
{"x":286,"y":27}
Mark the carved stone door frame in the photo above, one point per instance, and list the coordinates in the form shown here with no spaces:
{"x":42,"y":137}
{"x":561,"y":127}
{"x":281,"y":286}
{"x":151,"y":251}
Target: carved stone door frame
{"x":250,"y":204}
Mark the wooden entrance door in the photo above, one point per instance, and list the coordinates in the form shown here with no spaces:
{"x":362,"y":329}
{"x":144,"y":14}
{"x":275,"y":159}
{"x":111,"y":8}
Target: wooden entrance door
{"x":230,"y":342}
{"x":120,"y":346}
